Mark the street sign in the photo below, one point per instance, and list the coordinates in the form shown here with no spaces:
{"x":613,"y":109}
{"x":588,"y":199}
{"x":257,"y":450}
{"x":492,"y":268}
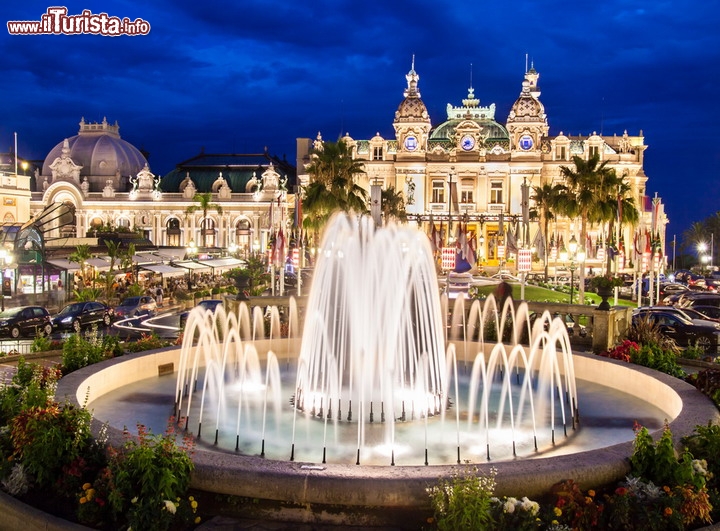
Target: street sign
{"x":448,"y":258}
{"x":524,"y":260}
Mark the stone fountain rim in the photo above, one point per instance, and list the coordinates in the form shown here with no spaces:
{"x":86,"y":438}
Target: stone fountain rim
{"x":401,"y":486}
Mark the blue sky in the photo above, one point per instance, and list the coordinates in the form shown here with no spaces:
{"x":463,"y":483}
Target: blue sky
{"x":237,"y":77}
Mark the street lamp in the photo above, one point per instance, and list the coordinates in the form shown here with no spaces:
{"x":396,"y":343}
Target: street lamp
{"x":576,"y":256}
{"x":5,"y":259}
{"x":191,"y":251}
{"x":702,"y":248}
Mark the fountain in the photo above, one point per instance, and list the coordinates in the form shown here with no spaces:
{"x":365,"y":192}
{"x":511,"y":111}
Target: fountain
{"x":377,"y":380}
{"x":383,"y":395}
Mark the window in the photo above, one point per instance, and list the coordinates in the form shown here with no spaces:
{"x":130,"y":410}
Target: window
{"x":466,"y":192}
{"x":378,"y":153}
{"x":560,"y":153}
{"x":438,"y":191}
{"x":173,"y":232}
{"x":496,"y":192}
{"x":208,"y":232}
{"x":594,"y":151}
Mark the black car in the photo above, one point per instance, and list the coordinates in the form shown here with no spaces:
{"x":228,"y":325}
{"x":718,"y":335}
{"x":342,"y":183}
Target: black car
{"x":79,"y":314}
{"x":684,"y":331}
{"x":210,"y":304}
{"x":25,"y":321}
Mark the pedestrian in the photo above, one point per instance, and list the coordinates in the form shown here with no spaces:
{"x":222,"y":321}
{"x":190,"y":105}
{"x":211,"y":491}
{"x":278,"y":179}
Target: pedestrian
{"x":159,"y":295}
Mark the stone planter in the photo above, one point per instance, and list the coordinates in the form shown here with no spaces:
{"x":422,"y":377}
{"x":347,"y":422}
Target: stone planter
{"x":605,"y":294}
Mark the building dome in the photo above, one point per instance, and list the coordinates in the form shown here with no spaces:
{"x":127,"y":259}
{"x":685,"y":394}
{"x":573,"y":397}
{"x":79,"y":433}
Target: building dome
{"x":101,"y":152}
{"x":527,"y":107}
{"x":412,"y":108}
{"x":493,"y":129}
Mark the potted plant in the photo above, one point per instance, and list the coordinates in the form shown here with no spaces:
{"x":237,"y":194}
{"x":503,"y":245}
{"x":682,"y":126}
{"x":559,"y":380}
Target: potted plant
{"x":603,"y":285}
{"x":251,"y":279}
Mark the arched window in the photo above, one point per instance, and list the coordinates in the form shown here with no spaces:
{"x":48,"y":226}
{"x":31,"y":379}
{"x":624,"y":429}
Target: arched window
{"x":207,"y":229}
{"x":9,"y":218}
{"x":172,"y":227}
{"x":243,"y":236}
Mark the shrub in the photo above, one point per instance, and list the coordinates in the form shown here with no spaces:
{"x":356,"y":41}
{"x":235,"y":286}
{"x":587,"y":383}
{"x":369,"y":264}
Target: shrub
{"x":43,"y":343}
{"x":463,"y":501}
{"x":82,"y":350}
{"x":149,"y":477}
{"x":146,"y":342}
{"x":645,"y":332}
{"x":32,"y":386}
{"x":655,"y":357}
{"x":623,"y":352}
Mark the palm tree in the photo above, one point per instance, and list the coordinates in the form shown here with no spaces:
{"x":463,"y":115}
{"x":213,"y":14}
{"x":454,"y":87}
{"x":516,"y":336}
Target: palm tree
{"x":694,"y":236}
{"x":393,"y":205}
{"x":80,"y":256}
{"x":205,"y":204}
{"x":113,"y":251}
{"x":622,"y":199}
{"x":334,"y":187}
{"x":589,"y":185}
{"x":547,"y":199}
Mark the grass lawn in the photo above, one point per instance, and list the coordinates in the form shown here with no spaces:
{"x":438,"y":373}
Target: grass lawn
{"x":539,"y":294}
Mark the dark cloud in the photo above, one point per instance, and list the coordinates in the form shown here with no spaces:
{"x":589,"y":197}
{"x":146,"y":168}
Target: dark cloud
{"x":244,"y":75}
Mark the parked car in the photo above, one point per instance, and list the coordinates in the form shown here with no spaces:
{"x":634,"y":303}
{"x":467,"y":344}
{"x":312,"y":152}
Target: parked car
{"x":135,"y":307}
{"x":684,"y":331}
{"x":668,"y":288}
{"x":713,"y":312}
{"x":77,"y":315}
{"x":25,"y":321}
{"x":698,"y":299}
{"x":210,"y":304}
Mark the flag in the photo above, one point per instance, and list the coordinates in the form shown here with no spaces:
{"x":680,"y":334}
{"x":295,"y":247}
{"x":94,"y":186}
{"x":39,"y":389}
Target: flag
{"x":511,"y":241}
{"x":539,"y":244}
{"x":298,"y":210}
{"x":433,"y":238}
{"x":470,"y":249}
{"x":461,"y":241}
{"x":501,"y":225}
{"x":278,"y":250}
{"x":441,"y":236}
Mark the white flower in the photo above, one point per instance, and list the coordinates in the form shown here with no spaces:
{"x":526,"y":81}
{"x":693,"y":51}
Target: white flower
{"x":170,"y":507}
{"x":509,"y":506}
{"x":134,"y":500}
{"x":530,"y":506}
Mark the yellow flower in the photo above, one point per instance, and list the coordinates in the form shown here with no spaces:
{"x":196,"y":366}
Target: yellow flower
{"x":554,"y":522}
{"x":557,"y":511}
{"x":666,"y":488}
{"x":591,"y":493}
{"x":83,"y":500}
{"x":668,"y":511}
{"x":90,"y":493}
{"x":191,"y":498}
{"x":86,"y":486}
{"x":197,"y":519}
{"x":193,"y":504}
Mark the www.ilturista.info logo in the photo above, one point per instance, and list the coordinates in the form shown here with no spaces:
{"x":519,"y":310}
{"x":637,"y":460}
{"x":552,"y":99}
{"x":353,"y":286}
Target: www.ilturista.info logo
{"x":56,"y":21}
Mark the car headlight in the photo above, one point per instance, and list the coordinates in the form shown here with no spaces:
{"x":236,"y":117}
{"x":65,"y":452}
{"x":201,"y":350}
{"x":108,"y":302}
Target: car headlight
{"x":66,"y":320}
{"x":4,"y":322}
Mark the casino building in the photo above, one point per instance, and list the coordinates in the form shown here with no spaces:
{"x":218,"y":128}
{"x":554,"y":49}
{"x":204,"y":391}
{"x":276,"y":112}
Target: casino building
{"x":476,"y":171}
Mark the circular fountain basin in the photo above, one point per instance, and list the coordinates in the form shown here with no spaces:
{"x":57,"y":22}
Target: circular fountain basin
{"x":349,"y":494}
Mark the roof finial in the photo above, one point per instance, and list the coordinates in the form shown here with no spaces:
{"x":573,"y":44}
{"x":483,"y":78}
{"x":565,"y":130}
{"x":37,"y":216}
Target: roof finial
{"x":526,"y":63}
{"x":471,"y":72}
{"x":412,"y":66}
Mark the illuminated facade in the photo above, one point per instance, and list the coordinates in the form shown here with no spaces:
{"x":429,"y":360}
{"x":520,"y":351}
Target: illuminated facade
{"x":470,"y":171}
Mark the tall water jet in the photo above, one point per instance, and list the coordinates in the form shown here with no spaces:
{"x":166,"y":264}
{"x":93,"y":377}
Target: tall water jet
{"x":375,"y":379}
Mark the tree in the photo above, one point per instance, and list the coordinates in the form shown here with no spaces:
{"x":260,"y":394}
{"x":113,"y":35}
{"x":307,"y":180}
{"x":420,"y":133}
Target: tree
{"x":80,"y":256}
{"x":333,"y":185}
{"x":589,"y":185}
{"x":547,"y":200}
{"x":393,"y":205}
{"x":113,"y":251}
{"x":205,"y":204}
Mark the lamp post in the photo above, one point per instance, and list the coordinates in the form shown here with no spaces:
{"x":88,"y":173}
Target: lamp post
{"x":702,"y":247}
{"x":5,"y":259}
{"x":576,"y":256}
{"x":191,"y":251}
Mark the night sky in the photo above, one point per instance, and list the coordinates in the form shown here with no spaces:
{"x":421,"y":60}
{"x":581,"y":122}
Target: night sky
{"x":240,"y":77}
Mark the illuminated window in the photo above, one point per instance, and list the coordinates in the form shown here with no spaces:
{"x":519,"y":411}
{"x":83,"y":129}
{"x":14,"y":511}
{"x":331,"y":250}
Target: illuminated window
{"x":496,"y":192}
{"x":466,"y":192}
{"x":438,"y":191}
{"x":378,"y":153}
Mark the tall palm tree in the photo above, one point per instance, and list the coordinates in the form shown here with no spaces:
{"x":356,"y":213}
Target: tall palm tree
{"x":80,"y":256}
{"x":333,"y":185}
{"x":622,"y":199}
{"x":392,"y":205}
{"x":547,"y":200}
{"x":694,"y":236}
{"x":204,"y":204}
{"x":588,"y":186}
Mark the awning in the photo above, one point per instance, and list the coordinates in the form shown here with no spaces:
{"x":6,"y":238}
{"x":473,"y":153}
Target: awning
{"x":144,"y":258}
{"x":171,"y":254}
{"x":63,"y":263}
{"x":193,"y":266}
{"x":222,"y":264}
{"x":100,"y":264}
{"x":165,"y":270}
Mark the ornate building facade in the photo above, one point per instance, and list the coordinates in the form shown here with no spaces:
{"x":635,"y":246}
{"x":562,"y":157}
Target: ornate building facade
{"x":477,"y":173}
